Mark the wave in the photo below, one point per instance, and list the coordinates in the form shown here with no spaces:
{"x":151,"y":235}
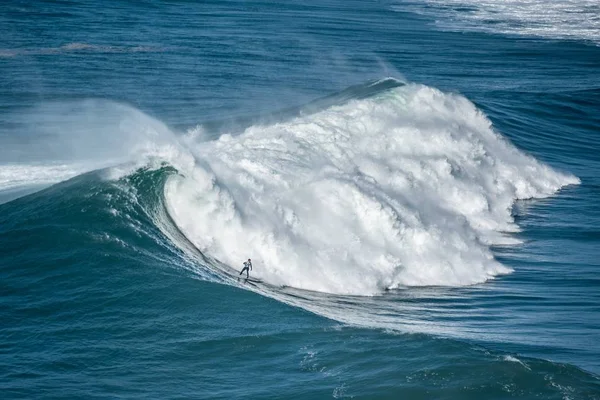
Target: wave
{"x":408,"y":187}
{"x":384,"y":186}
{"x":79,"y":48}
{"x":123,"y":225}
{"x":356,"y":92}
{"x":576,"y":19}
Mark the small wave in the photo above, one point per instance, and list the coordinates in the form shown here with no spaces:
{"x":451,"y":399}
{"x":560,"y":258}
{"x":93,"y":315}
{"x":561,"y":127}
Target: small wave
{"x":79,"y":47}
{"x":399,"y":185}
{"x":576,"y":19}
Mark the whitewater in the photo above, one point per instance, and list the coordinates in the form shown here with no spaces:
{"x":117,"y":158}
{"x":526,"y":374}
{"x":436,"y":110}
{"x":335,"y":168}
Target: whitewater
{"x":554,"y":19}
{"x":408,"y":187}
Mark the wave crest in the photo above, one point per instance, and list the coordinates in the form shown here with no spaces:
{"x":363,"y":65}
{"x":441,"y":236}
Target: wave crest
{"x":408,"y":187}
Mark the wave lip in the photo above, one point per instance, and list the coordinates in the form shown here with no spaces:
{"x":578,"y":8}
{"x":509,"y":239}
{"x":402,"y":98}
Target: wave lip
{"x":408,"y":187}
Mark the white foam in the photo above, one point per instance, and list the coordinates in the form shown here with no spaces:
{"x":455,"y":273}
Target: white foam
{"x":560,"y":19}
{"x":19,"y":175}
{"x":406,"y":189}
{"x":76,"y":47}
{"x":65,"y":139}
{"x":516,"y":360}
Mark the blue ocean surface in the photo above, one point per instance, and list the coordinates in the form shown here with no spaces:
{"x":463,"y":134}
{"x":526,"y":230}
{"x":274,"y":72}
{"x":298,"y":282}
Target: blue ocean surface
{"x":417,"y":184}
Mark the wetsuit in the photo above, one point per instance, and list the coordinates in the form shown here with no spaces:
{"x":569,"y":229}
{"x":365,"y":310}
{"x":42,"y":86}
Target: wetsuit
{"x":247,"y":267}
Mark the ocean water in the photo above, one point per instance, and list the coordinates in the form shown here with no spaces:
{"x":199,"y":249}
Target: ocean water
{"x":416,"y":182}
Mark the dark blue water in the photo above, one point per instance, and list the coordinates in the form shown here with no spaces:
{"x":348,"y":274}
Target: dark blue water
{"x":416,"y":183}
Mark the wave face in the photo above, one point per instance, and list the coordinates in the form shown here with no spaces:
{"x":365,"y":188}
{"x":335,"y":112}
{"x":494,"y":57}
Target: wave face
{"x":575,"y":19}
{"x":409,"y":187}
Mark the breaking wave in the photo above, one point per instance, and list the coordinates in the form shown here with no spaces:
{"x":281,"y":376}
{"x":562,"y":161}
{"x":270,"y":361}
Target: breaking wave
{"x":408,"y":187}
{"x":387,"y":186}
{"x":574,"y":19}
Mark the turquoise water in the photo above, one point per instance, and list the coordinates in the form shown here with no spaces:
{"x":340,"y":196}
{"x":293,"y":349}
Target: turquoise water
{"x":415,"y":182}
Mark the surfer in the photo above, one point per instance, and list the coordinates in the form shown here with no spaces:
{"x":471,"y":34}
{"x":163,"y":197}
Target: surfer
{"x":247,"y":266}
